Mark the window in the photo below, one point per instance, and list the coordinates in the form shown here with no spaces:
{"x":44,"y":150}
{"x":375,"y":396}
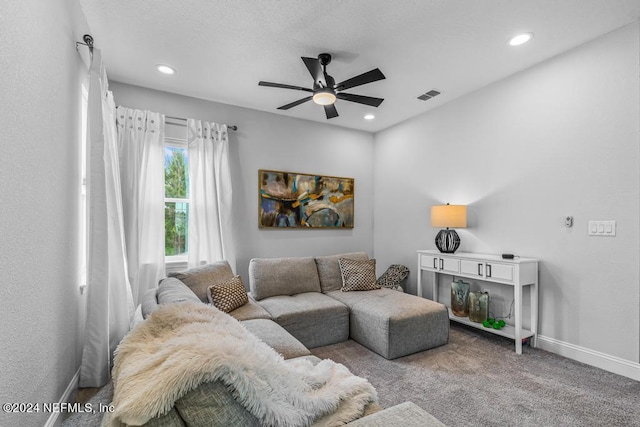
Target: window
{"x":176,"y":198}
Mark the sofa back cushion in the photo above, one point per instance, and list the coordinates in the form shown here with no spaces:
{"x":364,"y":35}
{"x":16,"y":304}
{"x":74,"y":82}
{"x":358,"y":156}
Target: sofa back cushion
{"x":200,"y":278}
{"x":329,"y":269}
{"x":282,"y":276}
{"x":172,"y":290}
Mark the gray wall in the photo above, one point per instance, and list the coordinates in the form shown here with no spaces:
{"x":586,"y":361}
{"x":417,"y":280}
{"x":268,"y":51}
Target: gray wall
{"x":558,"y":139}
{"x":271,"y":141}
{"x":40,"y":302}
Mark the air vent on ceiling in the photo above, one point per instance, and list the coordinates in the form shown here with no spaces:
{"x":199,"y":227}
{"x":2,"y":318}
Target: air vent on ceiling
{"x":428,"y":95}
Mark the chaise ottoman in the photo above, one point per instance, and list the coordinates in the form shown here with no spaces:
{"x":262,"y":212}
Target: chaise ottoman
{"x":394,"y":324}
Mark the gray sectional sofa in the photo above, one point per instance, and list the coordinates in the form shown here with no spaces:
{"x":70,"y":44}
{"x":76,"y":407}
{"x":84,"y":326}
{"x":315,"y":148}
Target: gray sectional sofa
{"x":302,"y":293}
{"x":295,"y":304}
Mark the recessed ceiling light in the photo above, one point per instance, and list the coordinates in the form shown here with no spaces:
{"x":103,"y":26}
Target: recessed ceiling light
{"x":520,"y":39}
{"x":369,"y":117}
{"x":165,"y":69}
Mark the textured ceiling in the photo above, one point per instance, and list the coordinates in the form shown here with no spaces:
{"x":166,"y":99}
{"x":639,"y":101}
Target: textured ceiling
{"x":223,"y":48}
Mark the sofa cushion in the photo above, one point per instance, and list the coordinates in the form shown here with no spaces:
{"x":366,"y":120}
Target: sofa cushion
{"x":200,"y":278}
{"x":212,"y":404}
{"x":250,"y":310}
{"x":329,"y":269}
{"x":276,"y":337}
{"x":228,"y":295}
{"x":172,"y":290}
{"x":312,"y":317}
{"x":358,"y":275}
{"x":282,"y":276}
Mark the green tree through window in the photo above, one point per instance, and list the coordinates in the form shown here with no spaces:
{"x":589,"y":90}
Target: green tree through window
{"x":176,"y":206}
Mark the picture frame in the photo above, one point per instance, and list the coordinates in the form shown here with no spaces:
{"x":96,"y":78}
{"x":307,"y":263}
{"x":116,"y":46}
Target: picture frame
{"x":298,"y":200}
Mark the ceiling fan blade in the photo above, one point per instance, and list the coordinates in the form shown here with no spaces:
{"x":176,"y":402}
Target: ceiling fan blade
{"x":293,"y":104}
{"x":360,"y":99}
{"x":269,"y":84}
{"x":362,"y":79}
{"x":314,"y":67}
{"x":330,"y":111}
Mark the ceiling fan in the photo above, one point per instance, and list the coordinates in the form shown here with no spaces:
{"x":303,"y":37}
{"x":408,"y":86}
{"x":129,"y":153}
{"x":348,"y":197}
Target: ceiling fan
{"x":325,"y":90}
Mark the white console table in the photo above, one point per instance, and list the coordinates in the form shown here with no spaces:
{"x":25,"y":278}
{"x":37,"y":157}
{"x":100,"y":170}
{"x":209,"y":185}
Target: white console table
{"x":518,"y":272}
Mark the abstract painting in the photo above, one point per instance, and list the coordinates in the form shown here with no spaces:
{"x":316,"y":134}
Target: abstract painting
{"x":298,"y":200}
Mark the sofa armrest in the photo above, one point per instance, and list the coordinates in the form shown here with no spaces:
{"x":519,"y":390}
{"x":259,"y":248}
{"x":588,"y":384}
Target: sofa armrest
{"x":149,"y":302}
{"x":406,"y":414}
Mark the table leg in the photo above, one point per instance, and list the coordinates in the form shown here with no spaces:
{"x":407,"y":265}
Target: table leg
{"x":419,"y":283}
{"x":534,"y":314}
{"x":517,"y":309}
{"x":435,"y":286}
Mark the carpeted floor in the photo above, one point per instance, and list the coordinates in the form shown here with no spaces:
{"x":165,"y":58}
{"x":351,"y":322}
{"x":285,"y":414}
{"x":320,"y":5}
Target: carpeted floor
{"x":478,"y":380}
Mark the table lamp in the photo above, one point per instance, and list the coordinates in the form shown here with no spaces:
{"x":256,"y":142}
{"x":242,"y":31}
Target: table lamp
{"x":448,"y":216}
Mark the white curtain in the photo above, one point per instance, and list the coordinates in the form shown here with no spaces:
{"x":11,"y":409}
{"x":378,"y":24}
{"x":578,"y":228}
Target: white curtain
{"x":141,"y":152}
{"x":210,"y":234}
{"x":110,"y":305}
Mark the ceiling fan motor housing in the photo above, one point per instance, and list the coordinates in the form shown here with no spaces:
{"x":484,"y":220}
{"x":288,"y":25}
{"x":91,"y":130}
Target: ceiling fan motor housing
{"x":325,"y":59}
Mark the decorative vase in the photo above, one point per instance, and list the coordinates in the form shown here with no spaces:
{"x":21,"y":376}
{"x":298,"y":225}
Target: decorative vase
{"x":478,"y":306}
{"x":460,"y":298}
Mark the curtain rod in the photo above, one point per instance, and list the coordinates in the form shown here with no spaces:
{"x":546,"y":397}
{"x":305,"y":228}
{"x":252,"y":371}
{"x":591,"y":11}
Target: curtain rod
{"x":231,"y":127}
{"x":88,"y":42}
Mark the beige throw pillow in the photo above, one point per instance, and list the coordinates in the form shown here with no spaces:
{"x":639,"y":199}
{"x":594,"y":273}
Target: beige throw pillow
{"x":358,"y":275}
{"x":229,"y":295}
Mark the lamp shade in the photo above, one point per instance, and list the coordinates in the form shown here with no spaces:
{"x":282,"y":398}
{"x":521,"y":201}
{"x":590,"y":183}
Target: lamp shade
{"x":449,"y":216}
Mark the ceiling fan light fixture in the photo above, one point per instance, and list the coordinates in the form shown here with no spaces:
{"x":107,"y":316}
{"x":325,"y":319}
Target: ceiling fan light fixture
{"x":324,"y":97}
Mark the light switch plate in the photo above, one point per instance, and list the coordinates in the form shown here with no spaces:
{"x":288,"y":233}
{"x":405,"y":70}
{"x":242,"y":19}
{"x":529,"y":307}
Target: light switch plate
{"x":602,"y":228}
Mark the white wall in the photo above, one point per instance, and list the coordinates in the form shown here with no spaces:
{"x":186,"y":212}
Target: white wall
{"x":561,"y":138}
{"x":40,"y":193}
{"x":270,"y":141}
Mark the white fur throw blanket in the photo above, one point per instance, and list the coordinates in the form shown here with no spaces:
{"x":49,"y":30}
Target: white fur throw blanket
{"x":183,"y":345}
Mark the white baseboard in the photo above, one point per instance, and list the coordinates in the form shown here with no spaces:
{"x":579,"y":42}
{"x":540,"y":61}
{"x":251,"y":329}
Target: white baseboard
{"x":53,"y":420}
{"x":590,"y":357}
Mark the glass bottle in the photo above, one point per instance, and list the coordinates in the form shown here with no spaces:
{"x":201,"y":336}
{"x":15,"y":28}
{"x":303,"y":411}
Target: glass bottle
{"x":460,"y":298}
{"x":478,"y":306}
